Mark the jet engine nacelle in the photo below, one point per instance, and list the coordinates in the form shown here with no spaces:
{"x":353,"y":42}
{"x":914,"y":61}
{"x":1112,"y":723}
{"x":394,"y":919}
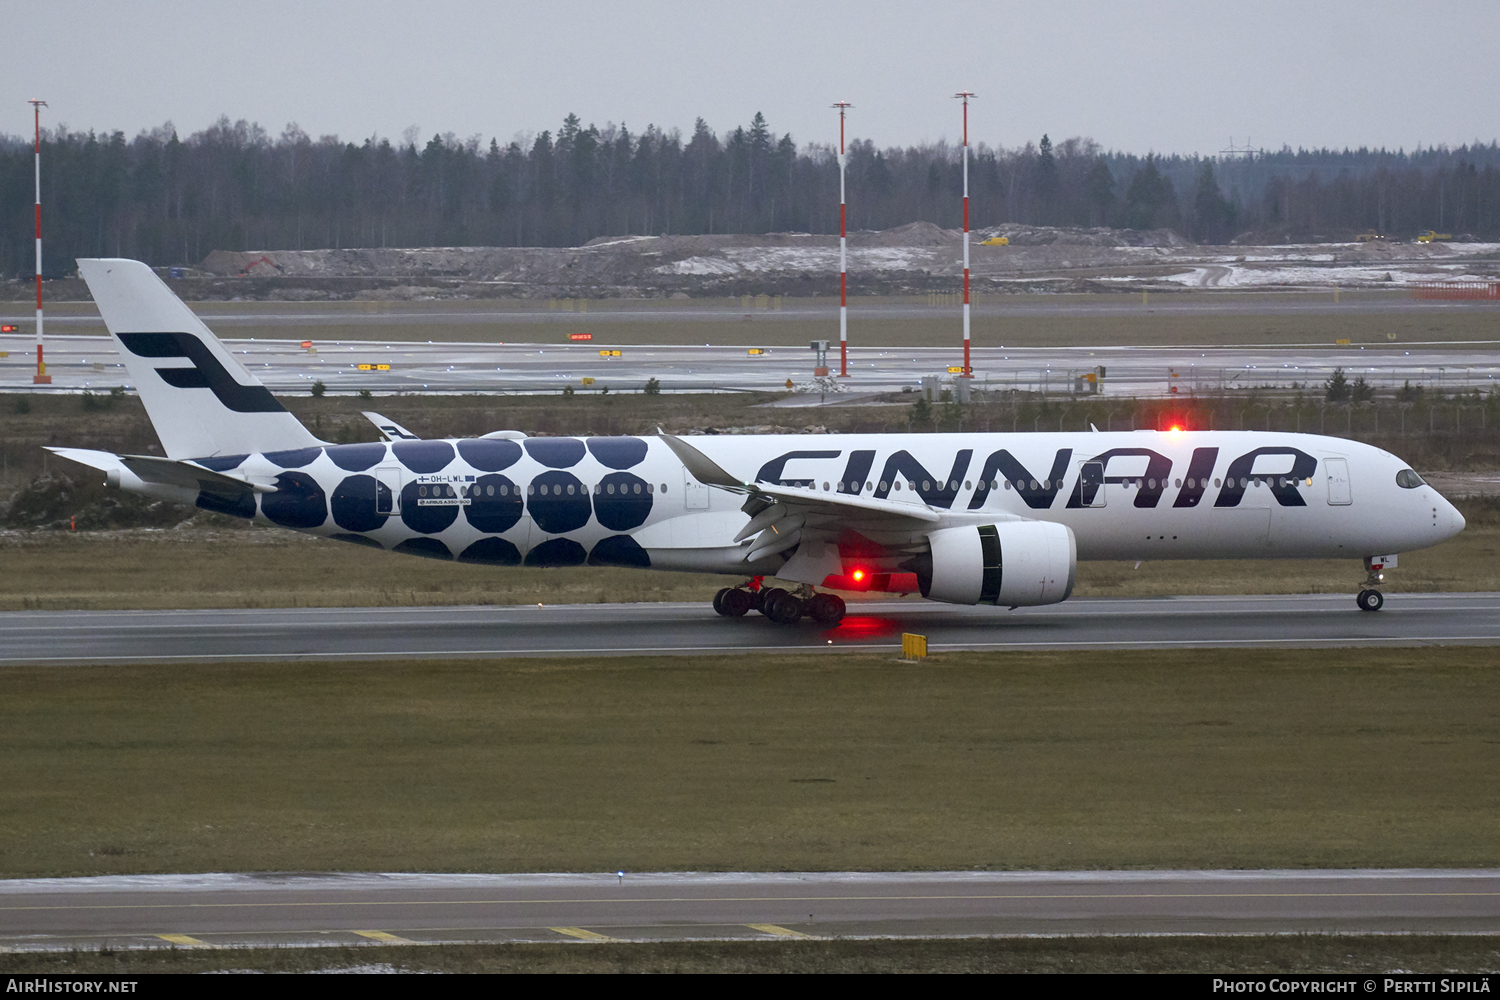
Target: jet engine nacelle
{"x":1014,"y":564}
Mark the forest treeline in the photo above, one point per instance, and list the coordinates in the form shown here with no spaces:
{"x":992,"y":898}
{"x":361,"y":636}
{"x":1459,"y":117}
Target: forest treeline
{"x":167,"y":199}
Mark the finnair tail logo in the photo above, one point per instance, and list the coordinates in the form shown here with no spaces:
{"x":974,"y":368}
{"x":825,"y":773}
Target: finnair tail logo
{"x":206,"y":371}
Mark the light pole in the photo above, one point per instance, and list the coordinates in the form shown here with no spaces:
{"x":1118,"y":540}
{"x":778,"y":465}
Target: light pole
{"x":964,"y":95}
{"x":41,"y":377}
{"x":843,"y":254}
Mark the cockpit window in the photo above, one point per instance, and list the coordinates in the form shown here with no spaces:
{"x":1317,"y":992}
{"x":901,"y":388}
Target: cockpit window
{"x":1409,"y":480}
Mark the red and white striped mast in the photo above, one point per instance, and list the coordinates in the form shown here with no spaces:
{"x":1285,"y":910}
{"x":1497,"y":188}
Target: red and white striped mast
{"x":843,"y":255}
{"x":41,"y":377}
{"x":964,"y":95}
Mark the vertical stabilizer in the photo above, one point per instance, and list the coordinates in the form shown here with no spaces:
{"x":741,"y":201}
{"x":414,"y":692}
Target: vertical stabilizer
{"x":201,"y":401}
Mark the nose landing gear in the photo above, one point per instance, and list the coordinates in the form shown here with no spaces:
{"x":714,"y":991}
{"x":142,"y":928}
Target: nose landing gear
{"x":783,"y":607}
{"x":1369,"y":598}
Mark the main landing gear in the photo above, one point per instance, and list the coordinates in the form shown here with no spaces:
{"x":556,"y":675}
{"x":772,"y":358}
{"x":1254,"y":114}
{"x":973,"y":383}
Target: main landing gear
{"x":784,"y":607}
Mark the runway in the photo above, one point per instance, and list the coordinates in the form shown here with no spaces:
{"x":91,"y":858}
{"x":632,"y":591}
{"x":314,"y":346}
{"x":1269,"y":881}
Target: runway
{"x":82,"y":316}
{"x":1292,"y":621}
{"x":79,"y":363}
{"x":344,"y":909}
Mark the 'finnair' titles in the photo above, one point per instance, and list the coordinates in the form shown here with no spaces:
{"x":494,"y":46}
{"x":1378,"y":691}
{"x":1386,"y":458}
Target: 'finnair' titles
{"x":965,"y":518}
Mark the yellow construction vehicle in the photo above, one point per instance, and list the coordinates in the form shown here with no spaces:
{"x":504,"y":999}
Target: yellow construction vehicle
{"x":1429,"y":236}
{"x":1369,"y":237}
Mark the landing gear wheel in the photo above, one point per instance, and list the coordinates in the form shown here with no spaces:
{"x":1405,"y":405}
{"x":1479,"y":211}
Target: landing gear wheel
{"x":719,"y":602}
{"x":784,"y":608}
{"x":767,"y":599}
{"x":735,"y":602}
{"x":826,"y":609}
{"x":1370,"y":600}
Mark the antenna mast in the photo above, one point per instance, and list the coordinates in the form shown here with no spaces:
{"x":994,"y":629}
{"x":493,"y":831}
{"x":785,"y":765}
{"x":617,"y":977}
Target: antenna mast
{"x":964,"y":95}
{"x":843,"y":254}
{"x":41,"y":377}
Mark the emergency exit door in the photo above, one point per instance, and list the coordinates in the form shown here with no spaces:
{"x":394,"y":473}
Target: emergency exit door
{"x":1336,"y":471}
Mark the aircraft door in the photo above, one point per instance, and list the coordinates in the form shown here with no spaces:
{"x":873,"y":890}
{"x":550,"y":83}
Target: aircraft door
{"x":388,"y":476}
{"x":1091,"y":492}
{"x":1336,"y":471}
{"x":694,"y":493}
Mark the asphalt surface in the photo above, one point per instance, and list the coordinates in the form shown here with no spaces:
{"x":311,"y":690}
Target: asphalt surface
{"x":343,"y":909}
{"x":77,"y":363}
{"x":1299,"y":621}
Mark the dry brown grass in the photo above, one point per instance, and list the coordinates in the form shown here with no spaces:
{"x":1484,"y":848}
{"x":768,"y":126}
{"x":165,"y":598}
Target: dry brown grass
{"x":1151,"y":759}
{"x":1248,"y":955}
{"x":1168,"y":319}
{"x":262,"y":568}
{"x":266,"y":568}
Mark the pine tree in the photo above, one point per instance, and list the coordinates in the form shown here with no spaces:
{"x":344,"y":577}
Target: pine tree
{"x":1336,"y":389}
{"x":1101,"y":193}
{"x":1046,"y":183}
{"x":1150,"y":202}
{"x":1212,"y":215}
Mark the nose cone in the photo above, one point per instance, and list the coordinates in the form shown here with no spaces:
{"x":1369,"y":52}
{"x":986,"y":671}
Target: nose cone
{"x":1449,"y":519}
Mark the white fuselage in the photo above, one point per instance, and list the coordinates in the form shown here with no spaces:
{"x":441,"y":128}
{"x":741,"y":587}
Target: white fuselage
{"x":630,"y":501}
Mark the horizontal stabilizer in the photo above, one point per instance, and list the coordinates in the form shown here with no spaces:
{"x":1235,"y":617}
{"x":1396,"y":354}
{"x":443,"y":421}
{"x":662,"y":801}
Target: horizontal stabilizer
{"x":191,"y":475}
{"x":167,"y":472}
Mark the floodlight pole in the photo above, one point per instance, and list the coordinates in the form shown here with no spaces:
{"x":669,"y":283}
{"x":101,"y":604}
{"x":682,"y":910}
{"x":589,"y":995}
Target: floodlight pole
{"x":41,"y":377}
{"x":964,"y":95}
{"x":843,"y":255}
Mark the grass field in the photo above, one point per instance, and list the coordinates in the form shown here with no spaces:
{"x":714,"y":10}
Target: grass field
{"x":1178,"y":759}
{"x":1247,"y":955}
{"x":268,"y":568}
{"x":1168,"y":319}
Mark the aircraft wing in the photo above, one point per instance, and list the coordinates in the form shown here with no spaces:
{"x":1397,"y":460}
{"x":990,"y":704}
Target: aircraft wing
{"x":710,"y":473}
{"x":779,"y":514}
{"x":814,"y":502}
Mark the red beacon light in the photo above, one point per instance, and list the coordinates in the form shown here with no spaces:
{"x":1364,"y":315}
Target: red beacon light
{"x":858,"y":576}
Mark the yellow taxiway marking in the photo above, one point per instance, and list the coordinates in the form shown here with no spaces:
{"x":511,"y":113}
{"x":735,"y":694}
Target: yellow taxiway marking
{"x":184,"y":940}
{"x":776,"y":929}
{"x":581,"y":934}
{"x":384,"y":936}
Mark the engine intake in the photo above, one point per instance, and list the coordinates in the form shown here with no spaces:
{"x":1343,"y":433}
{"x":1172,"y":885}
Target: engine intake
{"x":1015,"y":564}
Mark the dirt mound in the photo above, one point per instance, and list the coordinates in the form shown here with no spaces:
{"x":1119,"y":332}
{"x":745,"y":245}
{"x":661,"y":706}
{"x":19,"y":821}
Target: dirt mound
{"x":1100,"y":236}
{"x":58,"y":502}
{"x":913,"y":234}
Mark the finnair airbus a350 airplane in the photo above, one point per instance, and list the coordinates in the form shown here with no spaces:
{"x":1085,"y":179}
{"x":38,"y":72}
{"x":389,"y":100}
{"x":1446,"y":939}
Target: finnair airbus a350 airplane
{"x":996,"y":519}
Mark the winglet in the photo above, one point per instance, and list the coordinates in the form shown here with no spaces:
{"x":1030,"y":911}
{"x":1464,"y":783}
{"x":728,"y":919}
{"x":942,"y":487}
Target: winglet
{"x":704,"y":469}
{"x":388,"y":428}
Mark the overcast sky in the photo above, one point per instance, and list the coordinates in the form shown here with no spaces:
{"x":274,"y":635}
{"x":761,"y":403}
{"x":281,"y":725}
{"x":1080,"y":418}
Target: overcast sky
{"x":1136,"y":76}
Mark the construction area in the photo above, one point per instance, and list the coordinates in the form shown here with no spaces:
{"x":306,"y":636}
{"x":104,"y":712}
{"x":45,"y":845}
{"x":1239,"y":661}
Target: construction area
{"x":917,"y":259}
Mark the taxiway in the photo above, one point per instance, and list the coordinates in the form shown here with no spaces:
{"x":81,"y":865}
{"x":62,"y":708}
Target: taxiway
{"x":344,"y":909}
{"x":84,"y":363}
{"x":1296,"y":621}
